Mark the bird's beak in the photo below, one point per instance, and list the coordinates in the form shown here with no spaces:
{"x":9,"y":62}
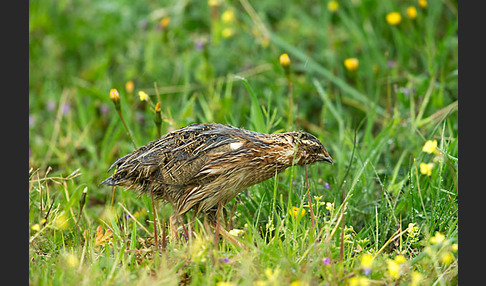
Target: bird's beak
{"x":327,"y":158}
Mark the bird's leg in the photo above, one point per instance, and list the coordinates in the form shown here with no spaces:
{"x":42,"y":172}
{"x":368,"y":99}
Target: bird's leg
{"x":228,"y":236}
{"x":214,"y":222}
{"x":155,"y":221}
{"x":207,"y":225}
{"x":229,"y":222}
{"x":218,"y":225}
{"x":174,"y":221}
{"x":154,"y":215}
{"x":164,"y":241}
{"x":173,"y":225}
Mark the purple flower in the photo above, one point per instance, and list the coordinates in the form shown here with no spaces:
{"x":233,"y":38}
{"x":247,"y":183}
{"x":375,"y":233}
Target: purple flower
{"x":326,"y":185}
{"x":51,"y":105}
{"x":390,"y":64}
{"x":367,"y":270}
{"x":225,"y":260}
{"x":326,"y":260}
{"x":199,"y":44}
{"x":406,"y":91}
{"x":66,"y":108}
{"x":104,"y":108}
{"x":31,"y":120}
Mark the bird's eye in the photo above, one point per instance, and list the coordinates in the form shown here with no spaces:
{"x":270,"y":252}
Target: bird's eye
{"x":315,"y":149}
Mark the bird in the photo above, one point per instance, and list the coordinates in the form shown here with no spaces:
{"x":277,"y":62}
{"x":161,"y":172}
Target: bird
{"x":204,"y":166}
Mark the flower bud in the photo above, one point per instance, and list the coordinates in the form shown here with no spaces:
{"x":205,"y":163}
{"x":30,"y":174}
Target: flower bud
{"x":412,"y":12}
{"x":351,"y":64}
{"x":164,"y":23}
{"x":129,"y":86}
{"x":284,"y":60}
{"x":158,"y":116}
{"x":115,"y":97}
{"x":393,"y":18}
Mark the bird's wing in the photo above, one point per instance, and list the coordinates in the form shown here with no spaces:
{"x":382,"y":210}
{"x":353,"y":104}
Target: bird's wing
{"x":175,"y":158}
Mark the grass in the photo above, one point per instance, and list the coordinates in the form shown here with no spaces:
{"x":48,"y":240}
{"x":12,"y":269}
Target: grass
{"x":377,"y":217}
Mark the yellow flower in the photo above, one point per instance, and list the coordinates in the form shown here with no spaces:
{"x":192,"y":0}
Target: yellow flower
{"x":353,"y":281}
{"x":426,"y":169}
{"x":143,"y":96}
{"x":454,"y":247}
{"x":332,"y":6}
{"x":329,"y":206}
{"x":393,"y":18}
{"x":412,"y":227}
{"x":446,"y":258}
{"x":272,"y":275}
{"x":400,"y":259}
{"x":213,"y":3}
{"x":164,"y":22}
{"x":35,"y":227}
{"x":295,"y":212}
{"x":412,"y":12}
{"x":269,"y":272}
{"x":367,"y":260}
{"x":351,"y":64}
{"x":393,"y":268}
{"x":359,"y":281}
{"x":221,"y":283}
{"x":298,"y":283}
{"x":129,"y":86}
{"x":227,"y":32}
{"x":198,"y":249}
{"x":228,"y":16}
{"x":437,"y":238}
{"x":416,"y":278}
{"x":115,"y":97}
{"x":413,"y":231}
{"x":430,"y":147}
{"x":140,"y":213}
{"x":422,"y":3}
{"x":284,"y":60}
{"x":236,"y":232}
{"x":157,"y":107}
{"x":71,"y":260}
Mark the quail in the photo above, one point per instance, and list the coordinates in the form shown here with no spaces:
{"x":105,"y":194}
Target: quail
{"x":204,"y":166}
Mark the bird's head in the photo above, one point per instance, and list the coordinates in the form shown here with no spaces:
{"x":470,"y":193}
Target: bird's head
{"x":310,"y":149}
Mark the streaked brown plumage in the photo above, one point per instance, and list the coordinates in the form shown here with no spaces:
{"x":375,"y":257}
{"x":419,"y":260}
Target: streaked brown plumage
{"x":203,"y":165}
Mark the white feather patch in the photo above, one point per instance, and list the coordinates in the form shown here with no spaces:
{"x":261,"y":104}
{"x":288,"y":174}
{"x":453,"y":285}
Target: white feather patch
{"x":235,"y":145}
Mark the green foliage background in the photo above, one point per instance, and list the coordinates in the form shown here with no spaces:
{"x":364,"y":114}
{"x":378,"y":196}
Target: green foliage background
{"x":403,"y":93}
